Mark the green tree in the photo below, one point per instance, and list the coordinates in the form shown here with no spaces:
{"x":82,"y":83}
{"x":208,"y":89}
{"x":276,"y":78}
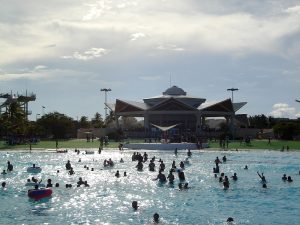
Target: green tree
{"x":287,"y":130}
{"x":84,"y":123}
{"x":97,"y":121}
{"x":110,"y":118}
{"x":57,"y":125}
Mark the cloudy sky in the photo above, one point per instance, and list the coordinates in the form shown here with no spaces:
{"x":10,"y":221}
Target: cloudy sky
{"x":65,"y":51}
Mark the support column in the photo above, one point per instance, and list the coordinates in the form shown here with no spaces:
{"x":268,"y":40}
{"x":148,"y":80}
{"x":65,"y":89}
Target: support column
{"x":146,"y":124}
{"x":198,"y":124}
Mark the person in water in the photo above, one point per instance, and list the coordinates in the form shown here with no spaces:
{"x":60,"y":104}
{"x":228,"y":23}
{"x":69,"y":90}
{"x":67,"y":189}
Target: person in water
{"x":264,"y":185}
{"x":234,"y":177}
{"x":121,"y":160}
{"x":80,"y":182}
{"x":224,"y":158}
{"x":3,"y":184}
{"x":156,"y":218}
{"x":289,"y":179}
{"x":175,"y":152}
{"x":161,"y":177}
{"x":171,"y":177}
{"x":86,"y":184}
{"x":140,"y":165}
{"x":181,"y":176}
{"x":134,"y":205}
{"x":10,"y":167}
{"x":284,"y":178}
{"x":49,"y":184}
{"x":151,"y":166}
{"x":125,"y":174}
{"x":246,"y":167}
{"x":117,"y":174}
{"x":189,"y":153}
{"x":68,"y":165}
{"x":71,"y":171}
{"x":262,"y":177}
{"x":3,"y":172}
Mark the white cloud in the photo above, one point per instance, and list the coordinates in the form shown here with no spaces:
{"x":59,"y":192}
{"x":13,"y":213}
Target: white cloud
{"x":170,"y":47}
{"x":135,"y":36}
{"x":294,"y":9}
{"x":88,"y":54}
{"x":283,"y":110}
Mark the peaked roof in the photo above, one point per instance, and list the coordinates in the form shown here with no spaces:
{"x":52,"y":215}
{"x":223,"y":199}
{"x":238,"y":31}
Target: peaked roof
{"x":238,"y":105}
{"x":127,"y":106}
{"x":223,"y":106}
{"x":172,"y":104}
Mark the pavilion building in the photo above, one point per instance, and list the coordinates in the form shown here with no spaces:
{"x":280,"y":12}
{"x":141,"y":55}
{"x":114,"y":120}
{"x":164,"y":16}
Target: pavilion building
{"x":176,"y":109}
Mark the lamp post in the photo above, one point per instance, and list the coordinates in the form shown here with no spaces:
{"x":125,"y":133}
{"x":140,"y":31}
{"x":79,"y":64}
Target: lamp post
{"x":105,"y":102}
{"x":232,"y":90}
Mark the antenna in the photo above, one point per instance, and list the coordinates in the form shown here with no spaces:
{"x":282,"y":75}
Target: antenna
{"x":170,"y":79}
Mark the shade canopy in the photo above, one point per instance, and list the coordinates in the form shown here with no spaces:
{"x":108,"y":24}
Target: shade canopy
{"x":165,"y":128}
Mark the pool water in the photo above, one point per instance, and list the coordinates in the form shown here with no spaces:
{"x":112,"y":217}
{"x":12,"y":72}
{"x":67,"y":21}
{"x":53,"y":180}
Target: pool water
{"x":108,"y":199}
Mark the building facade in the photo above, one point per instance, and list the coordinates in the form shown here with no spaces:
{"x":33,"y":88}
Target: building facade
{"x":175,"y":108}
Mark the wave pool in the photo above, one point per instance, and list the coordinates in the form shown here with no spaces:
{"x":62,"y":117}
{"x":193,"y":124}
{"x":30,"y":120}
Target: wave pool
{"x":108,"y":199}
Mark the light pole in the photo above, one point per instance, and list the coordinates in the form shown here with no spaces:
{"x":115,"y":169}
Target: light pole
{"x":232,"y":90}
{"x":105,"y":108}
{"x":36,"y":116}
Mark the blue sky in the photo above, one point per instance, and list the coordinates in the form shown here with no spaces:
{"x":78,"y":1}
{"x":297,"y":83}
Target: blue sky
{"x":65,"y":51}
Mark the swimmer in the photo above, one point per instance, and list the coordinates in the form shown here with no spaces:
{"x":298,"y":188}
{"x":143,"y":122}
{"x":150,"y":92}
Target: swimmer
{"x":134,"y":205}
{"x":121,"y":160}
{"x":217,"y":161}
{"x":189,"y":153}
{"x":186,"y":186}
{"x":175,"y":152}
{"x":171,"y":177}
{"x":10,"y":167}
{"x":125,"y":174}
{"x":3,"y":172}
{"x":230,"y":220}
{"x":173,"y":165}
{"x":3,"y":184}
{"x":57,"y":185}
{"x":180,"y":186}
{"x":284,"y":178}
{"x":246,"y":167}
{"x":234,"y":177}
{"x":156,"y":218}
{"x":49,"y":184}
{"x":224,"y":158}
{"x":80,"y":182}
{"x":289,"y":179}
{"x":181,"y":165}
{"x":71,"y":171}
{"x":181,"y":176}
{"x":151,"y":166}
{"x":262,"y":177}
{"x":161,"y":177}
{"x":139,"y":166}
{"x":86,"y":184}
{"x":117,"y":174}
{"x":68,"y":165}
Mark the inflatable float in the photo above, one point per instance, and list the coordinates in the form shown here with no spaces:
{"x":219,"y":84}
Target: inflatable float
{"x":39,"y":193}
{"x":34,"y":169}
{"x":89,"y":152}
